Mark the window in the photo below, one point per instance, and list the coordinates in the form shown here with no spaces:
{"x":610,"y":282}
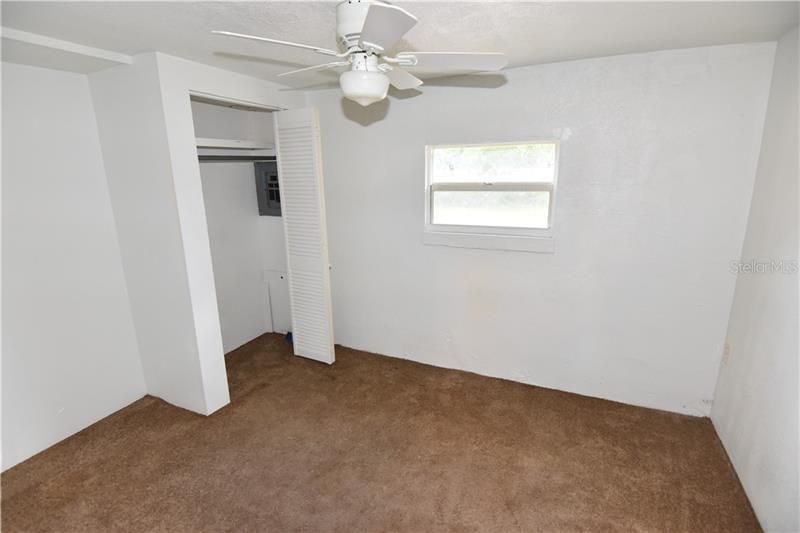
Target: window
{"x":491,"y":195}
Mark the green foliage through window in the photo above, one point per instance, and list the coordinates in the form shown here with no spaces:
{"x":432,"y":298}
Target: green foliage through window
{"x":495,"y":185}
{"x":494,"y":163}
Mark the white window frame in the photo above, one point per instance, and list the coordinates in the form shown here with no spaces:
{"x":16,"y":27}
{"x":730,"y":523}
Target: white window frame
{"x":490,"y":237}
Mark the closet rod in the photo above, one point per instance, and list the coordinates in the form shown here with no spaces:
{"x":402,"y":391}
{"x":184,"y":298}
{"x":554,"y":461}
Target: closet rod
{"x":236,"y":158}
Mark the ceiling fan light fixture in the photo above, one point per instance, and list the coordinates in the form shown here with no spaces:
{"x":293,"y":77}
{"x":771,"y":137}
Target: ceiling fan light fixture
{"x":364,"y":87}
{"x":366,"y":31}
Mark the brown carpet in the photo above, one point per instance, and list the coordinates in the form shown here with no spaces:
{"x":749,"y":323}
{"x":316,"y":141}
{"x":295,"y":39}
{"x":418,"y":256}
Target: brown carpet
{"x":379,"y":444}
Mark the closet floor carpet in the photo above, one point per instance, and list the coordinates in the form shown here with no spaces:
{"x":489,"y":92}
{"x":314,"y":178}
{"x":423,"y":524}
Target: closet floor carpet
{"x":373,"y":443}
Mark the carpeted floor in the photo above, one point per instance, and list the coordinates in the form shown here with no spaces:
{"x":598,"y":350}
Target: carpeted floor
{"x":379,"y":444}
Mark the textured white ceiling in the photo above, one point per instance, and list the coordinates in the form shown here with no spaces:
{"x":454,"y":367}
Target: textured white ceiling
{"x":529,"y":32}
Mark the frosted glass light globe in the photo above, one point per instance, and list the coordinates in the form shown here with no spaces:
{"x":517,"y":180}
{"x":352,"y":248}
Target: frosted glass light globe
{"x":364,"y":87}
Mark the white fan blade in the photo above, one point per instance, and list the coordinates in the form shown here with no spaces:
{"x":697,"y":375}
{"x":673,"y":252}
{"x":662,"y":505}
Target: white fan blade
{"x":401,"y":79}
{"x":315,"y":67}
{"x":317,"y":49}
{"x":384,"y":26}
{"x":468,"y":61}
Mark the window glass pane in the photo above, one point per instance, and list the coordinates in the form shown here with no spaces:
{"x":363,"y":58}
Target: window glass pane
{"x":510,"y":209}
{"x":494,"y":163}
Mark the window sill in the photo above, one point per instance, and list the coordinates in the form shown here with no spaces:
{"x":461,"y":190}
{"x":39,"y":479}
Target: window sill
{"x":516,"y":243}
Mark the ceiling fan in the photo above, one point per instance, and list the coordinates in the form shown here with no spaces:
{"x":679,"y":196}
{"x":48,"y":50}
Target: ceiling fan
{"x":367,"y":30}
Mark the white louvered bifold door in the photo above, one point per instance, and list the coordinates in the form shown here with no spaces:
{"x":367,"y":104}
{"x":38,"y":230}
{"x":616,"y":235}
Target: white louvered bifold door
{"x":299,"y":155}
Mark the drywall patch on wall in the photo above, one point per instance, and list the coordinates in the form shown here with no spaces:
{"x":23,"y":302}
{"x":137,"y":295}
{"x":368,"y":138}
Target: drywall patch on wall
{"x":756,"y":403}
{"x":654,"y":188}
{"x":562,"y":134}
{"x":70,"y":354}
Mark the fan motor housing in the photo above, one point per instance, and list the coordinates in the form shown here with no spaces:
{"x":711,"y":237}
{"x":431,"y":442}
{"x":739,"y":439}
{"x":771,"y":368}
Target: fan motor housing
{"x":350,"y":17}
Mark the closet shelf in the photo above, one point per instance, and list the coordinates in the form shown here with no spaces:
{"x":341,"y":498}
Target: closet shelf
{"x":234,"y":144}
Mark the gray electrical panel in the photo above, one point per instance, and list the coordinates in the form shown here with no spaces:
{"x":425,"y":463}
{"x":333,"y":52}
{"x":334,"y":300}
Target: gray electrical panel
{"x":269,"y":193}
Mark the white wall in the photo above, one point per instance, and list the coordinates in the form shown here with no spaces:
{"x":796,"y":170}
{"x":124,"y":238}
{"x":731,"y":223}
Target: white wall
{"x":756,"y":403}
{"x":133,"y":137}
{"x":238,"y":244}
{"x":234,"y":232}
{"x":273,"y":250}
{"x":222,"y":122}
{"x":658,"y":158}
{"x":70,"y":355}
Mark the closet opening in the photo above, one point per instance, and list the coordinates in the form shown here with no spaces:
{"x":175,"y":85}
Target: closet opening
{"x":238,"y":169}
